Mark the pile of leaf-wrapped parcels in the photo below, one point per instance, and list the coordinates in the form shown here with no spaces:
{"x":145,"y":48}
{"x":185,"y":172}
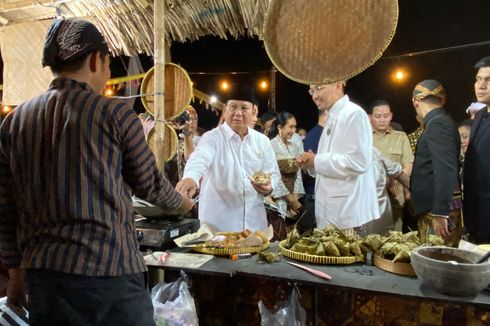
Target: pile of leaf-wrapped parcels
{"x":331,"y":241}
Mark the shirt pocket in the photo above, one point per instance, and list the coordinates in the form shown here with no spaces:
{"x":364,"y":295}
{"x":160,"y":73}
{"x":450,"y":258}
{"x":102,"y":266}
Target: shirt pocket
{"x":395,"y":154}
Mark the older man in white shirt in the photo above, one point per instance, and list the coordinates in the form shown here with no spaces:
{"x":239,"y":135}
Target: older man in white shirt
{"x":345,"y":189}
{"x":225,"y":159}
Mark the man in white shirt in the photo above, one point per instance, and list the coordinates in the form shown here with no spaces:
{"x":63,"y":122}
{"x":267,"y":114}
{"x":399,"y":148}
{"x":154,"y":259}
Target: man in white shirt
{"x":225,"y":159}
{"x":345,"y":189}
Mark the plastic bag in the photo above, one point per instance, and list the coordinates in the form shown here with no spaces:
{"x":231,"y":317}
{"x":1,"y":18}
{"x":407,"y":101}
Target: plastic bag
{"x":173,"y":304}
{"x":290,"y":313}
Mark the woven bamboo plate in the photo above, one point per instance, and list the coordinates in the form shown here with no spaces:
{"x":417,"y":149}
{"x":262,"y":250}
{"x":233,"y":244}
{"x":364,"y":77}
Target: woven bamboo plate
{"x":317,"y":42}
{"x":178,"y":91}
{"x":314,"y":259}
{"x":397,"y":268}
{"x":171,"y":142}
{"x":229,"y":251}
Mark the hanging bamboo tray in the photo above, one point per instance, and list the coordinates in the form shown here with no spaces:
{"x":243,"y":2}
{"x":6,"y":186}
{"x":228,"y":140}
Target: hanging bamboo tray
{"x":314,"y":259}
{"x":178,"y":91}
{"x":171,"y":142}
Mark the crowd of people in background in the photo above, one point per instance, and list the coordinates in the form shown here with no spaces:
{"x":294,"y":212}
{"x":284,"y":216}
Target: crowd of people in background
{"x":358,"y":169}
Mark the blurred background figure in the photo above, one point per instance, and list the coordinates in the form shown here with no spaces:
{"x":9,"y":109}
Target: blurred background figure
{"x":266,"y":121}
{"x":302,"y":133}
{"x":473,"y":109}
{"x":464,"y":133}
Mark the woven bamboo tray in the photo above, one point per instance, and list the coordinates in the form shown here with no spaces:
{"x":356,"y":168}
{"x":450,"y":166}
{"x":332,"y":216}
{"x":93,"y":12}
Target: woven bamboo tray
{"x":314,"y":259}
{"x":397,"y":268}
{"x":229,"y":251}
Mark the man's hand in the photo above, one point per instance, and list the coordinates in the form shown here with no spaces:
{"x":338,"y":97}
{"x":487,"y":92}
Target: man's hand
{"x":186,"y":203}
{"x":186,"y":187}
{"x":263,"y":189}
{"x":439,"y":224}
{"x":16,"y":290}
{"x":306,"y":160}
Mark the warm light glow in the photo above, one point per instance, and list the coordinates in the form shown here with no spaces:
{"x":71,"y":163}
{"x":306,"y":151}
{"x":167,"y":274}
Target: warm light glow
{"x":108,"y":92}
{"x":263,"y":84}
{"x":224,"y":85}
{"x":399,"y":75}
{"x":213,"y":99}
{"x":6,"y":109}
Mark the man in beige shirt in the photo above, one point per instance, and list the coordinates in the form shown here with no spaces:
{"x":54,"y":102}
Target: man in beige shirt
{"x":395,"y":146}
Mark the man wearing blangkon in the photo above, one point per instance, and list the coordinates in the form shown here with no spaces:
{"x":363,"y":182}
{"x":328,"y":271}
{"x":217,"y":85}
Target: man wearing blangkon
{"x":70,"y":160}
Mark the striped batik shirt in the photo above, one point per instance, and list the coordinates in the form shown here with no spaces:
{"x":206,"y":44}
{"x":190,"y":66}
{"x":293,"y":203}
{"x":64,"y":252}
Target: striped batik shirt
{"x":70,"y":160}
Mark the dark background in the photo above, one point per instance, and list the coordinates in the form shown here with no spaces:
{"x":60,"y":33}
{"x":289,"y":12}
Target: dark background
{"x":422,"y":25}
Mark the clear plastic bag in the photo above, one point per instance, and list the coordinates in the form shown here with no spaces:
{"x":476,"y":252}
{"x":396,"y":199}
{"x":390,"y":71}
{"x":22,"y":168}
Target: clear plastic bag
{"x":289,"y":313}
{"x":173,"y":304}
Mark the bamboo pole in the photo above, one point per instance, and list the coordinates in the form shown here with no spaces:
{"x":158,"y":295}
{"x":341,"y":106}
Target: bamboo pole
{"x":159,"y":80}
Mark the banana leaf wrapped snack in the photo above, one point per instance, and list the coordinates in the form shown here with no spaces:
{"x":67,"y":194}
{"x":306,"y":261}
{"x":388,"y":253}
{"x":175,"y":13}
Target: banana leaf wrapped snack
{"x":327,"y":242}
{"x":397,"y":246}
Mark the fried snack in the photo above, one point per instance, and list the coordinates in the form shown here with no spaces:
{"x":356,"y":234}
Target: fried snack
{"x":261,"y":178}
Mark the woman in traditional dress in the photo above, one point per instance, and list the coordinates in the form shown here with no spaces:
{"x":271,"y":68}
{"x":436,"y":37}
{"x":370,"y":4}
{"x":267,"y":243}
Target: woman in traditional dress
{"x":291,"y":189}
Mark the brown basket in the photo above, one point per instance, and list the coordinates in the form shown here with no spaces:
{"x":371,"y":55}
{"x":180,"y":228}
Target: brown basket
{"x":287,"y":165}
{"x":178,"y":91}
{"x":326,"y":260}
{"x":397,"y":268}
{"x":171,"y":141}
{"x":317,"y":42}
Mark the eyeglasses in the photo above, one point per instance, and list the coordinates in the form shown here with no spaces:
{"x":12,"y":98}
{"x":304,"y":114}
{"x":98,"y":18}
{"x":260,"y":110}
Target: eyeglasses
{"x":315,"y":89}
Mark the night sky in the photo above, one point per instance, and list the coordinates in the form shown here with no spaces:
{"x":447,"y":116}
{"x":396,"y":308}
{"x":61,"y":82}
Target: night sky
{"x":422,"y":25}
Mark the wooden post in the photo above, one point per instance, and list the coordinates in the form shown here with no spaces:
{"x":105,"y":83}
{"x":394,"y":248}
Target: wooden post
{"x":159,"y":80}
{"x":272,"y":99}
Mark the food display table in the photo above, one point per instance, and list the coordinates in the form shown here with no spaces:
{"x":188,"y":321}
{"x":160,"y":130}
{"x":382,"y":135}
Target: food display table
{"x":228,"y":291}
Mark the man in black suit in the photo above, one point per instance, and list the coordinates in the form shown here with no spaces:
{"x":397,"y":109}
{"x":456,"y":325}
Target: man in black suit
{"x":476,"y":173}
{"x":435,"y":170}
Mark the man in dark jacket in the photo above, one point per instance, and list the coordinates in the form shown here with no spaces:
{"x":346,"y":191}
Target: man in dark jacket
{"x":476,"y":176}
{"x":435,"y":170}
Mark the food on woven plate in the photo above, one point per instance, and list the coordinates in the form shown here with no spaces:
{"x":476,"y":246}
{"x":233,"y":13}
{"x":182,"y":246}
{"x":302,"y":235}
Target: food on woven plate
{"x":242,"y":239}
{"x":330,"y":241}
{"x":261,"y":178}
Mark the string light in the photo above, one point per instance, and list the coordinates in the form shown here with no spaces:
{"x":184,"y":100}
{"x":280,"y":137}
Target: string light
{"x":224,"y":85}
{"x":263,"y":85}
{"x":399,"y":75}
{"x":6,"y":109}
{"x":108,"y":91}
{"x":213,"y":99}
